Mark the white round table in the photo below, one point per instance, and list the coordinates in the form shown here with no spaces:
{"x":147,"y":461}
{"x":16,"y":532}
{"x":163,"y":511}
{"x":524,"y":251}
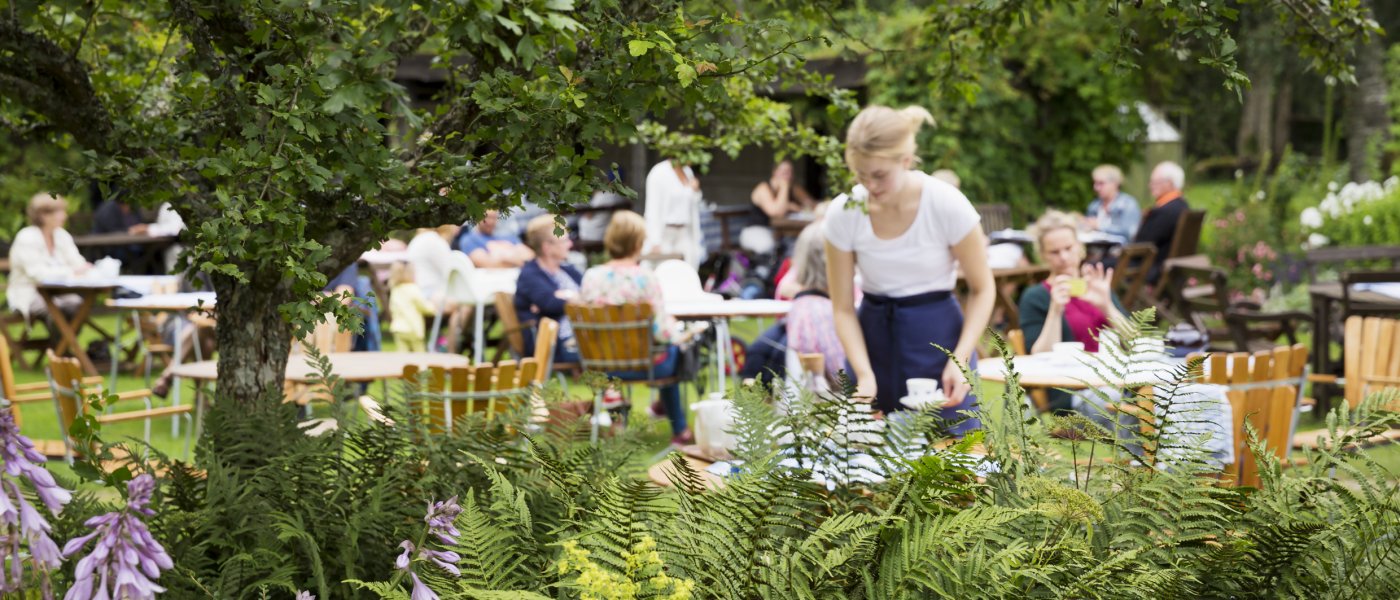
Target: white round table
{"x":1052,"y":370}
{"x":719,"y":312}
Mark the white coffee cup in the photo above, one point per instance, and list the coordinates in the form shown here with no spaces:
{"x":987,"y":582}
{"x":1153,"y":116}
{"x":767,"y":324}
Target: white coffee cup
{"x":922,"y":387}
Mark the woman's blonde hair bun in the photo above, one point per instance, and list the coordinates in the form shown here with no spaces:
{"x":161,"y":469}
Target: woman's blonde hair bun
{"x":886,"y":132}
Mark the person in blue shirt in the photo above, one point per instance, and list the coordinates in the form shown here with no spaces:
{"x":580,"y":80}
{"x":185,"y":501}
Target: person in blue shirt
{"x":488,"y":249}
{"x":1112,"y":211}
{"x":546,"y":284}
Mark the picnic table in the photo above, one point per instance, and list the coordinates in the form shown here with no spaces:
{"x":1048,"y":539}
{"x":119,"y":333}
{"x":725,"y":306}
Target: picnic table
{"x":86,"y":289}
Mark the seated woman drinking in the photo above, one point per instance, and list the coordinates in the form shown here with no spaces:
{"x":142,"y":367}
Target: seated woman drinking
{"x":1077,"y":300}
{"x":545,"y":284}
{"x":43,"y":251}
{"x":623,"y":280}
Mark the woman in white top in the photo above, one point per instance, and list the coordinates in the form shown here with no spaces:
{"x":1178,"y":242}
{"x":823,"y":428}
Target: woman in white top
{"x":433,"y":259}
{"x":908,"y":233}
{"x":43,"y":251}
{"x":673,"y":211}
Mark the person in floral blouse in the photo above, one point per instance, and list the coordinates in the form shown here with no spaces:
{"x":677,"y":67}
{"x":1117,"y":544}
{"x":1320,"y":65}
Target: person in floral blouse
{"x":623,"y":280}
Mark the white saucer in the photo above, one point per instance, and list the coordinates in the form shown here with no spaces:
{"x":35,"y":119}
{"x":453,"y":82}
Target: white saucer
{"x":912,"y":403}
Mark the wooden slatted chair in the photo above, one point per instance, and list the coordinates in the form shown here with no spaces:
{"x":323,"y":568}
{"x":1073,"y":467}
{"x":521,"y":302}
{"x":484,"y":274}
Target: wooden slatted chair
{"x":1016,"y":338}
{"x":546,"y":341}
{"x":514,"y":331}
{"x":995,"y":216}
{"x":1371,"y":354}
{"x":1130,"y":274}
{"x":449,"y":394}
{"x":70,"y":400}
{"x":1186,"y":239}
{"x":326,"y":338}
{"x":1264,"y":389}
{"x":17,"y":394}
{"x":615,"y":339}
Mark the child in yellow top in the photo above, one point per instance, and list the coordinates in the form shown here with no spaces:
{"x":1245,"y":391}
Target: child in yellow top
{"x":407,"y":306}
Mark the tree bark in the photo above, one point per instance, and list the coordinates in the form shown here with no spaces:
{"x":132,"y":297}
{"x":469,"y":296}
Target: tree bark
{"x":1368,"y":112}
{"x":254,"y":340}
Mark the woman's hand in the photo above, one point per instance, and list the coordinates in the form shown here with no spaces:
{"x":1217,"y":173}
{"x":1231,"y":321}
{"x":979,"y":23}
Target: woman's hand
{"x":955,"y":386}
{"x":1099,"y":290}
{"x":1059,"y":292}
{"x":865,"y":389}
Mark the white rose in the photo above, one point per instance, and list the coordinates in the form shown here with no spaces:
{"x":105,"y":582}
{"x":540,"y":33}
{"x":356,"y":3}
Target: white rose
{"x":1332,"y":186}
{"x":1317,"y":240}
{"x":1311,"y":218}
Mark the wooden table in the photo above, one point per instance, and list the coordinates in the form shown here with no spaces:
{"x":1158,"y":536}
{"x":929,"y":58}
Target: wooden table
{"x":719,"y":312}
{"x":151,"y":245}
{"x":1324,"y":295}
{"x":68,"y":329}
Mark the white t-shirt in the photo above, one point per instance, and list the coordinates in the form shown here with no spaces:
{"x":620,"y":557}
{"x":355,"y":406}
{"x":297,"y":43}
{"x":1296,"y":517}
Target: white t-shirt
{"x":919,"y":260}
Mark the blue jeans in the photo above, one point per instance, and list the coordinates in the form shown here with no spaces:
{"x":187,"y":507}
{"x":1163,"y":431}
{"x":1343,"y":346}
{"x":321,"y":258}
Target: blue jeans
{"x":371,"y":339}
{"x":670,"y":394}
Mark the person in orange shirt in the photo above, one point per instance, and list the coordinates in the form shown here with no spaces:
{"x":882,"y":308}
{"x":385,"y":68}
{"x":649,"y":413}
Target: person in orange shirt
{"x":1159,"y":224}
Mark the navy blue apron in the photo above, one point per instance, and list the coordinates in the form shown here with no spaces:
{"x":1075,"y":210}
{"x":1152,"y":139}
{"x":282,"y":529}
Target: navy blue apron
{"x":900,"y":334}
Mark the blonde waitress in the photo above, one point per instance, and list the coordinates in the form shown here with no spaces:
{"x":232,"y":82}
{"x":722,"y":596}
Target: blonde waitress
{"x":907,"y":233}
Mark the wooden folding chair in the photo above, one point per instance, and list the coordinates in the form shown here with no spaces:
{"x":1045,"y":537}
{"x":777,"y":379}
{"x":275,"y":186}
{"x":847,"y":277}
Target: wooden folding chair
{"x":446,"y":395}
{"x":326,"y":339}
{"x":514,"y":331}
{"x":1265,"y":389}
{"x":70,"y":401}
{"x":1371,"y":356}
{"x":16,"y":394}
{"x":616,"y":338}
{"x":995,"y":216}
{"x":1130,"y":274}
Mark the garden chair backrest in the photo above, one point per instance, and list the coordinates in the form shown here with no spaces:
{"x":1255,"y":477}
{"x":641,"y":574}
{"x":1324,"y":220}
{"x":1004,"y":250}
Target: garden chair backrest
{"x":449,"y":394}
{"x":995,"y":217}
{"x":1372,"y":357}
{"x":1264,"y":389}
{"x":546,"y":336}
{"x":514,"y":329}
{"x":613,"y":338}
{"x":1187,"y":238}
{"x":1130,"y":274}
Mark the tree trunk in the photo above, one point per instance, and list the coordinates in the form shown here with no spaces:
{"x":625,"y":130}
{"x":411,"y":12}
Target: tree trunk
{"x":254,"y":340}
{"x":1256,"y":119}
{"x":1368,"y":114}
{"x":1283,"y":116}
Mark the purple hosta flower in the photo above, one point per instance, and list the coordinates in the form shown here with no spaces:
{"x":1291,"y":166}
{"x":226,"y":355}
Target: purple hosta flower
{"x":305,"y":595}
{"x":21,"y":523}
{"x":442,"y":518}
{"x":126,"y":560}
